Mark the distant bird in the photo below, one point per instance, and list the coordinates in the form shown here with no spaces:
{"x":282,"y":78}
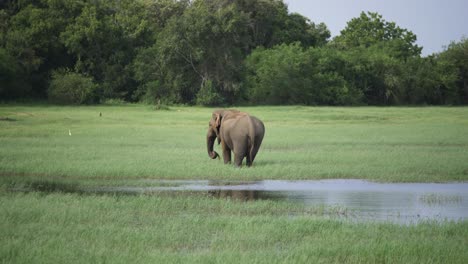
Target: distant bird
{"x":100,"y":114}
{"x":69,"y":132}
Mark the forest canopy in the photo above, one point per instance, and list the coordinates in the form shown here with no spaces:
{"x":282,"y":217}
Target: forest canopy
{"x":216,"y":52}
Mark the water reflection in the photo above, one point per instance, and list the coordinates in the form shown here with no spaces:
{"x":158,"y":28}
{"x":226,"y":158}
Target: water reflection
{"x":394,"y":202}
{"x":248,"y":195}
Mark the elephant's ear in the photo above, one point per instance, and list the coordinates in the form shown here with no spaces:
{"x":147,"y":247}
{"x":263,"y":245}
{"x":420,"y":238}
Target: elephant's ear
{"x":217,"y":120}
{"x":217,"y":117}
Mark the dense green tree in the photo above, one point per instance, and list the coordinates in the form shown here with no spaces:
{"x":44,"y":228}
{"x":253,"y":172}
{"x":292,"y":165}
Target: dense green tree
{"x":214,"y":52}
{"x":275,"y":76}
{"x":456,"y":55}
{"x":103,"y":39}
{"x":270,"y":24}
{"x":375,"y":73}
{"x":201,"y":51}
{"x":202,"y":45}
{"x":11,"y":85}
{"x":429,"y":81}
{"x":297,"y":28}
{"x":151,"y":66}
{"x":265,"y":20}
{"x":33,"y":40}
{"x":371,"y":29}
{"x":96,"y":38}
{"x":290,"y":74}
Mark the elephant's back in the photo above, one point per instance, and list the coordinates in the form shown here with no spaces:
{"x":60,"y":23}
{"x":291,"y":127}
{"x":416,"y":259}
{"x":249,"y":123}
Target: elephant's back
{"x":244,"y":124}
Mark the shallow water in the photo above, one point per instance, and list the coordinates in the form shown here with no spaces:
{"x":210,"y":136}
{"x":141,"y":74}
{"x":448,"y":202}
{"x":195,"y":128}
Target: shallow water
{"x":363,"y":200}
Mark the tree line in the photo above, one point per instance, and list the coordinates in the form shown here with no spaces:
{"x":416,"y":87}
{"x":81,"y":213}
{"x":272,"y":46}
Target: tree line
{"x":216,"y":52}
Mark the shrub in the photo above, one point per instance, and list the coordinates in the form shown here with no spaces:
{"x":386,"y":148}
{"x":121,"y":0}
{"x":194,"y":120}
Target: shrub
{"x":71,"y":88}
{"x":208,"y":95}
{"x":153,"y":92}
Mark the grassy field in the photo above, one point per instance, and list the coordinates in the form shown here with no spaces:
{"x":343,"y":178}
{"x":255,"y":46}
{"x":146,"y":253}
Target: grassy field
{"x":134,"y":142}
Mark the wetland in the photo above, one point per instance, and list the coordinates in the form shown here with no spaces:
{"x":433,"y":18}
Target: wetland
{"x":124,"y":187}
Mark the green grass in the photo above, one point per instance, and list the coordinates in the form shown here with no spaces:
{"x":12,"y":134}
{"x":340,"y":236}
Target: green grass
{"x":59,"y":228}
{"x":132,"y":142}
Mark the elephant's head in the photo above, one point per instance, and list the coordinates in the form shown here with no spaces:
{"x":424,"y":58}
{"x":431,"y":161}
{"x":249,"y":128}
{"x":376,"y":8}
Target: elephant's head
{"x":213,"y":133}
{"x":214,"y":127}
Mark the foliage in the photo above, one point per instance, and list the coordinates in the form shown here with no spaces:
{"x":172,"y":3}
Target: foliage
{"x":208,"y":95}
{"x":103,"y":39}
{"x":288,"y":74}
{"x":71,"y":88}
{"x":32,"y":38}
{"x":430,"y":81}
{"x":205,"y":46}
{"x":10,"y":79}
{"x":371,"y":29}
{"x":456,"y":56}
{"x":374,"y":73}
{"x":205,"y":52}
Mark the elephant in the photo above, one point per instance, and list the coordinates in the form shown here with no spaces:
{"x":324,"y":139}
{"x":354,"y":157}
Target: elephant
{"x":236,"y":131}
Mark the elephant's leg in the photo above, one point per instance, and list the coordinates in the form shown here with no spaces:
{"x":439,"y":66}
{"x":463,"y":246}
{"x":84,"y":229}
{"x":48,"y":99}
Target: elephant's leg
{"x":238,"y":159}
{"x":226,"y":154}
{"x":253,"y":153}
{"x":256,"y":147}
{"x":240,"y":151}
{"x":248,"y":159}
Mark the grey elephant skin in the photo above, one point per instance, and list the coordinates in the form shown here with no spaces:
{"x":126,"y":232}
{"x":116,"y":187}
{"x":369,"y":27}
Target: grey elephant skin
{"x":237,"y":132}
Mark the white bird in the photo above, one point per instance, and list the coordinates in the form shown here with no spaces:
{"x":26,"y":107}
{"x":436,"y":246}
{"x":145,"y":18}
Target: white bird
{"x":69,"y":132}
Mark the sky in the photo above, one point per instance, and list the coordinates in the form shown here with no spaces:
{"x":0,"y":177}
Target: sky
{"x":435,"y":22}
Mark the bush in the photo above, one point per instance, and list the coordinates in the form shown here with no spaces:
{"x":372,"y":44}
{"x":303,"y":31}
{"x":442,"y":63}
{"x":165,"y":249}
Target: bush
{"x":71,"y":88}
{"x":208,"y":95}
{"x":153,"y":92}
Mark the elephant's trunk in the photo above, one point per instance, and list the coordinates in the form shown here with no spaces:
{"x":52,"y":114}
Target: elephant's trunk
{"x":210,"y":139}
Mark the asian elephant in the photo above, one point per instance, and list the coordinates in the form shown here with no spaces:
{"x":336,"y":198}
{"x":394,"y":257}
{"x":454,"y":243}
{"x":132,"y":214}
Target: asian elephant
{"x":236,"y":131}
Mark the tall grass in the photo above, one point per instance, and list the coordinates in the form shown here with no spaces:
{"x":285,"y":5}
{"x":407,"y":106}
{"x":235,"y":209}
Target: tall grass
{"x":60,"y":228}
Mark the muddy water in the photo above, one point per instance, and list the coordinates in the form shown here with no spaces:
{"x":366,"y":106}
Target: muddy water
{"x":363,"y":200}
